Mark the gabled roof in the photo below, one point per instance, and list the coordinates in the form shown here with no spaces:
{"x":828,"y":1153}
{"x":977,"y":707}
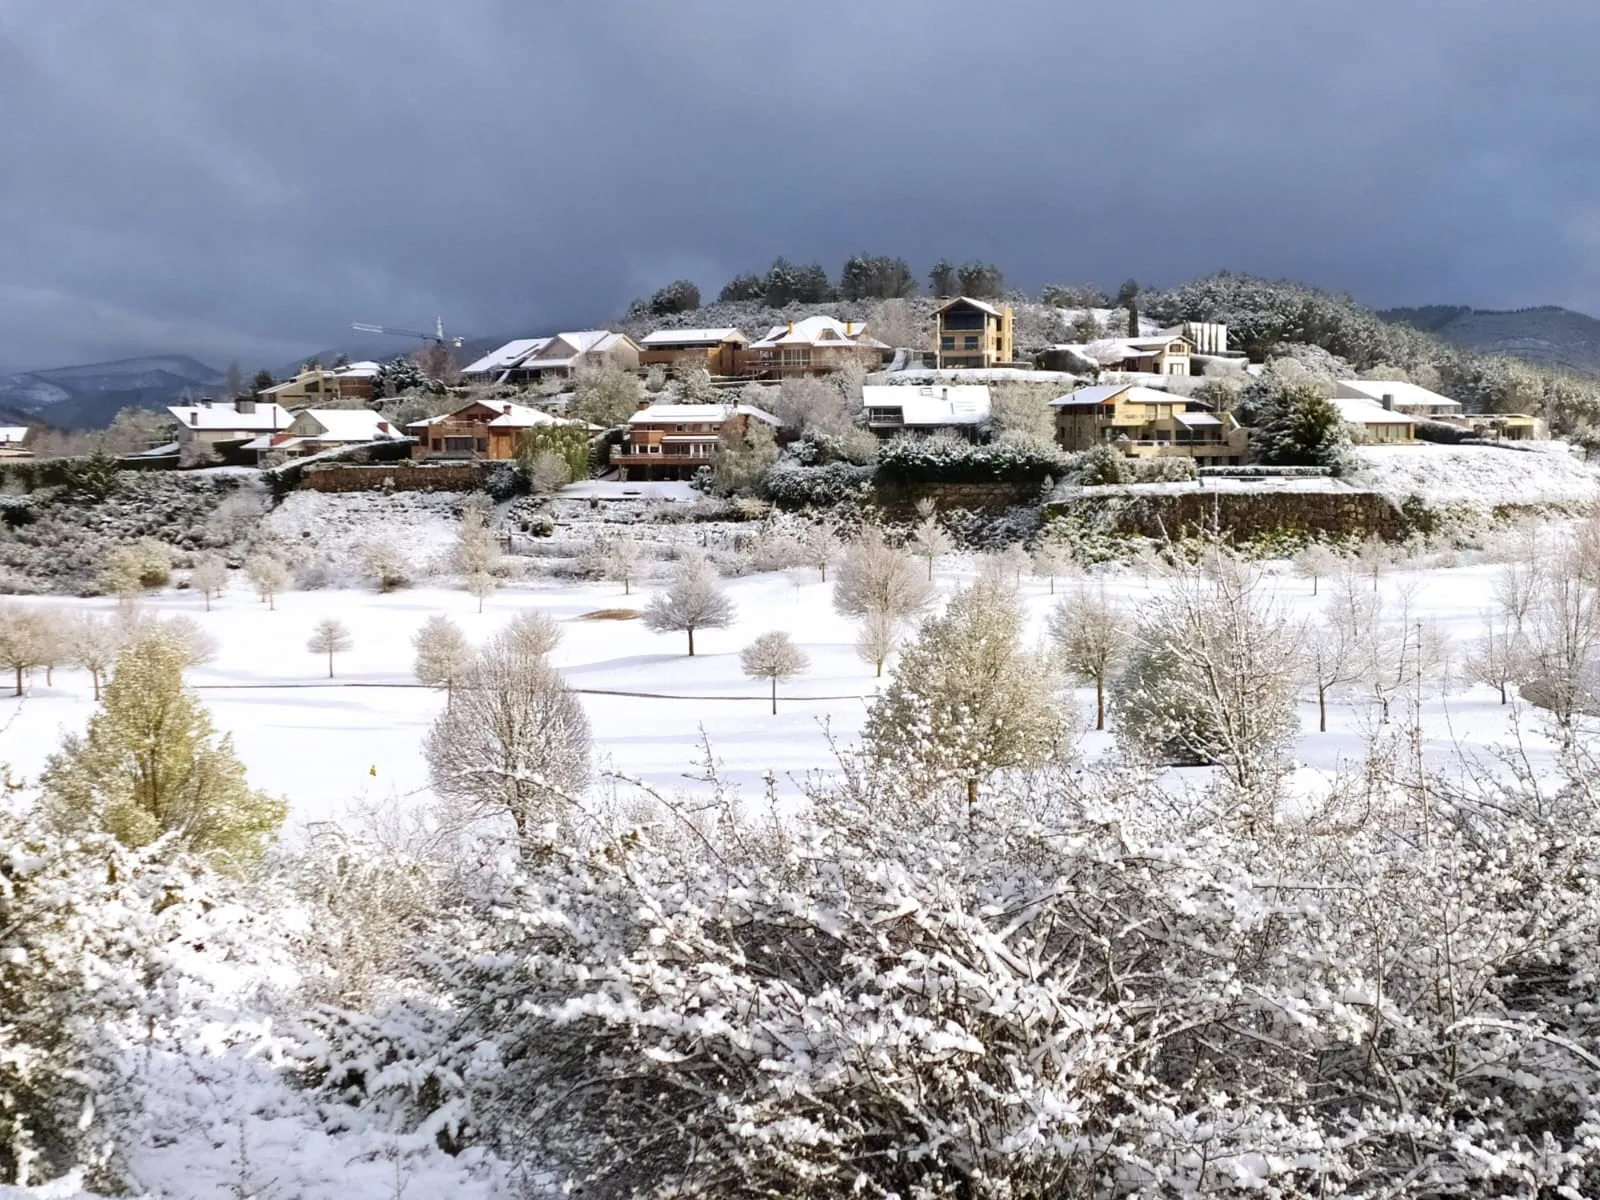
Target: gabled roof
{"x":505,"y":357}
{"x":692,"y":337}
{"x":365,"y":369}
{"x":1368,"y":412}
{"x":1405,"y":395}
{"x":508,"y":416}
{"x":351,"y":425}
{"x":10,"y":435}
{"x":224,"y":416}
{"x":819,"y":331}
{"x":563,"y":349}
{"x":978,"y":304}
{"x":699,"y":414}
{"x":1099,"y":394}
{"x":932,"y":404}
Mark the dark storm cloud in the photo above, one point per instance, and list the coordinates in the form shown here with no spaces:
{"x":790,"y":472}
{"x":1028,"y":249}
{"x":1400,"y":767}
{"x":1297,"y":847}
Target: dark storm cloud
{"x":244,"y":179}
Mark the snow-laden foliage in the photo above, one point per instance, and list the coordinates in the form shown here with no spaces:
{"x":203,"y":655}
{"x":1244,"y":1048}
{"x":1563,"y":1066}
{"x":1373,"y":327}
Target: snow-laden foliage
{"x":950,"y":460}
{"x":794,"y":485}
{"x":1076,"y":988}
{"x":93,"y":936}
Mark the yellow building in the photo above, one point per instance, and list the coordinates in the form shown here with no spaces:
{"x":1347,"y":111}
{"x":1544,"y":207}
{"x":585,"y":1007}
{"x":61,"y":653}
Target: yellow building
{"x":971,"y":333}
{"x":1144,"y":423}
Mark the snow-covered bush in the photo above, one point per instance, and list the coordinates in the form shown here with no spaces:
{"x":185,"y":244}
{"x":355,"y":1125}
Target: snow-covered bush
{"x":93,"y":938}
{"x":795,"y":486}
{"x":950,"y":460}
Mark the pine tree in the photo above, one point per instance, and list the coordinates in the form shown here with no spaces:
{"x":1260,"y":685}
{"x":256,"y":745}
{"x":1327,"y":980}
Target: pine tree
{"x":151,"y":763}
{"x":1299,"y":427}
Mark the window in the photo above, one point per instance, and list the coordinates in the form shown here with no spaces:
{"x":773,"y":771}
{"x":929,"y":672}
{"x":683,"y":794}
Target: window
{"x":947,"y":343}
{"x":458,"y":445}
{"x":970,"y":343}
{"x":680,"y":428}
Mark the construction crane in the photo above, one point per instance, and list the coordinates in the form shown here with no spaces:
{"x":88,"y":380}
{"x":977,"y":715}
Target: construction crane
{"x":437,"y":337}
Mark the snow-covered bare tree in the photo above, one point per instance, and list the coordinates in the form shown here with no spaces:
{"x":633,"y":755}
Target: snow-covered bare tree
{"x":476,"y":552}
{"x":268,"y":576}
{"x":877,"y":639}
{"x":928,"y":540}
{"x":1052,"y":558}
{"x":209,"y":578}
{"x":384,"y":565}
{"x":151,"y":764}
{"x":1211,"y":678}
{"x":693,"y":600}
{"x":443,"y":654}
{"x":480,"y":586}
{"x":95,"y":641}
{"x":1395,"y":651}
{"x":775,"y":657}
{"x":1317,"y":561}
{"x":548,"y":473}
{"x":514,"y":743}
{"x":968,"y":699}
{"x":1499,"y":657}
{"x":822,"y":545}
{"x":330,"y":637}
{"x":1091,"y":636}
{"x":1337,"y":654}
{"x":533,"y":632}
{"x":25,"y":641}
{"x":1562,"y":630}
{"x":621,"y":561}
{"x":875,"y":577}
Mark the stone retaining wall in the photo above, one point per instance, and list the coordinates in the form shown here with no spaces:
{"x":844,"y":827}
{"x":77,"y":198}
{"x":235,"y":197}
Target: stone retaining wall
{"x":397,"y":477}
{"x":1241,"y":515}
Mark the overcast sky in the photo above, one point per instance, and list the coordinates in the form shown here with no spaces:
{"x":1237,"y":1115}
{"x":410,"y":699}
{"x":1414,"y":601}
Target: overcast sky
{"x":243,"y":179}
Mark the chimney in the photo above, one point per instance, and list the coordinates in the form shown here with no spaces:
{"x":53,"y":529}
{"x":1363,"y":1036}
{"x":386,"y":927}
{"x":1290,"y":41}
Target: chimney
{"x":1388,"y":402}
{"x":245,"y":407}
{"x":194,"y":417}
{"x":791,"y":326}
{"x":849,"y":329}
{"x":506,"y":409}
{"x":383,"y":427}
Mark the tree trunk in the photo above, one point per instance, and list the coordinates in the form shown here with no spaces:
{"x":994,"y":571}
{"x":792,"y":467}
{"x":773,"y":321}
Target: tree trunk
{"x":880,"y":668}
{"x":49,"y":675}
{"x":624,"y":585}
{"x":972,"y":799}
{"x":330,"y":664}
{"x":95,"y":677}
{"x":1322,"y":710}
{"x":691,"y":643}
{"x":1314,"y":582}
{"x":19,"y":681}
{"x":208,"y":601}
{"x":1099,"y":701}
{"x":774,"y":695}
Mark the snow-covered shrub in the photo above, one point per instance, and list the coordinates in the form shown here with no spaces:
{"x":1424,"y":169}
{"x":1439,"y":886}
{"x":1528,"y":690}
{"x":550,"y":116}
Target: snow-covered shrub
{"x":92,"y":940}
{"x":505,"y":481}
{"x":950,"y":460}
{"x":795,"y":486}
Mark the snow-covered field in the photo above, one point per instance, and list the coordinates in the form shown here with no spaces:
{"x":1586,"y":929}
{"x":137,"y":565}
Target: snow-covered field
{"x":337,"y":748}
{"x":1538,"y":473}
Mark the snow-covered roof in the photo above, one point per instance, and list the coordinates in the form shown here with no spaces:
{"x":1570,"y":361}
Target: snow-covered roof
{"x":1099,"y":394}
{"x":365,"y":369}
{"x":1368,"y":412}
{"x":506,"y":356}
{"x":692,"y":337}
{"x":1196,"y":419}
{"x":351,"y":425}
{"x":220,"y":415}
{"x":1407,"y":397}
{"x":978,"y":304}
{"x":699,"y":413}
{"x":815,"y":331}
{"x":274,"y":441}
{"x":933,"y":404}
{"x":10,"y":435}
{"x":520,"y":416}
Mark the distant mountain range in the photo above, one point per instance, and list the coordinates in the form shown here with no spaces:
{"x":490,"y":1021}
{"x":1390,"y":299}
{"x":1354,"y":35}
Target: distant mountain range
{"x":1549,"y":336}
{"x":87,"y":397}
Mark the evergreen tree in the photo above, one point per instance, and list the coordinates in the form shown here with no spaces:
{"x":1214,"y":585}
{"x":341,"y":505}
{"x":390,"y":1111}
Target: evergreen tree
{"x":679,"y":296}
{"x":1298,"y":427}
{"x":743,"y":287}
{"x":942,"y":279}
{"x":151,"y":764}
{"x":876,"y":277}
{"x":981,"y":281}
{"x":262,"y":380}
{"x":1128,"y":298}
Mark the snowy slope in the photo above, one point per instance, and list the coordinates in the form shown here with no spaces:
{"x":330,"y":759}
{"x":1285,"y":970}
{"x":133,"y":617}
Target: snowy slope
{"x":1484,"y":475}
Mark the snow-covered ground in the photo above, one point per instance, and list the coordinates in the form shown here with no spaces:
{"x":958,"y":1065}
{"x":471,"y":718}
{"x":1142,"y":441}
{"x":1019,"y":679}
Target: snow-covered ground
{"x":1536,"y":473}
{"x":337,"y":748}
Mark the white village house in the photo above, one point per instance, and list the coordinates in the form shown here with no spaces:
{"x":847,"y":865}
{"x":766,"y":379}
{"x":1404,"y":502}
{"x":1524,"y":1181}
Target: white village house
{"x":1370,"y":421}
{"x":206,"y":426}
{"x":527,"y":360}
{"x":314,"y":430}
{"x":1398,"y":396}
{"x":921,"y":411}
